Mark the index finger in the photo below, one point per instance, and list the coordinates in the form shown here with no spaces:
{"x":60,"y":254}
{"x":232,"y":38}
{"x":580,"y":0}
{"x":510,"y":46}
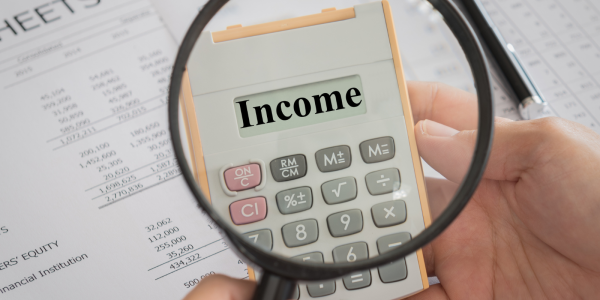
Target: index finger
{"x":444,"y":104}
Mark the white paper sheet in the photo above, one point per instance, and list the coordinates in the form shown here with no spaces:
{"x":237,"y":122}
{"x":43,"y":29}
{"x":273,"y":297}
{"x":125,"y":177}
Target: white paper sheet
{"x":92,"y":202}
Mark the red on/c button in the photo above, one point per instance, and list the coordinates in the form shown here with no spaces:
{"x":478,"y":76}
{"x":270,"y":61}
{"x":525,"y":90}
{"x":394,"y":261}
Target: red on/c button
{"x":248,"y":210}
{"x":242,"y":177}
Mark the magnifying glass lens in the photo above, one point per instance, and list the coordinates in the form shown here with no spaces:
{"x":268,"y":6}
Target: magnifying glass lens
{"x":328,"y":133}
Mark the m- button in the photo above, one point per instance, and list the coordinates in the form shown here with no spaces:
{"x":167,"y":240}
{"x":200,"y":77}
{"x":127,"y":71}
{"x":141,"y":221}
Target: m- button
{"x":377,"y":150}
{"x":288,"y":167}
{"x":242,"y":177}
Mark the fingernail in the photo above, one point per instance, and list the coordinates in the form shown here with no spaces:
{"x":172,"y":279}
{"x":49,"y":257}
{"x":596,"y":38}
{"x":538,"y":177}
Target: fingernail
{"x":436,"y":129}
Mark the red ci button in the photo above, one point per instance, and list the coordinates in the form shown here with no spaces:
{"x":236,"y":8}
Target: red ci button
{"x":248,"y":210}
{"x":242,"y":177}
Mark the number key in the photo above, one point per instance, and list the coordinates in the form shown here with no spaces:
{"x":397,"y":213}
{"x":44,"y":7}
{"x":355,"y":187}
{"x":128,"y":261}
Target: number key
{"x":345,"y":223}
{"x":351,"y":253}
{"x":300,"y":233}
{"x":261,"y":238}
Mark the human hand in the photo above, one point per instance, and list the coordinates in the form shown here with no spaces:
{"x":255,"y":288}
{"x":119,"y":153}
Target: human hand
{"x":221,"y":287}
{"x":532,"y":229}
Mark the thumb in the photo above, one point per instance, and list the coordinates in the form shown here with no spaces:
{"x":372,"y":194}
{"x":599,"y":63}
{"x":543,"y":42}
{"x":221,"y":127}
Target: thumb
{"x":450,"y":151}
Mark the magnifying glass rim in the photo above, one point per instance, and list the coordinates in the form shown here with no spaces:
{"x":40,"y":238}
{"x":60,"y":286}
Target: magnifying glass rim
{"x":287,"y":268}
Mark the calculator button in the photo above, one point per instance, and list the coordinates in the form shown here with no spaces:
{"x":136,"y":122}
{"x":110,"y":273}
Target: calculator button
{"x":317,"y":289}
{"x":389,"y":213}
{"x":351,"y":252}
{"x":394,"y":271}
{"x":248,"y":210}
{"x":339,"y":190}
{"x":383,"y":181}
{"x":314,"y":257}
{"x":357,"y":280}
{"x":345,"y":223}
{"x":242,"y":177}
{"x":294,"y":200}
{"x":321,"y":289}
{"x":300,"y":233}
{"x":377,"y":150}
{"x":288,"y":167}
{"x":262,"y":238}
{"x":333,"y":158}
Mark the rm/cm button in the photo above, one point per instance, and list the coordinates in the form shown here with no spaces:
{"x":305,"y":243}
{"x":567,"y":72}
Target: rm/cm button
{"x":288,"y":167}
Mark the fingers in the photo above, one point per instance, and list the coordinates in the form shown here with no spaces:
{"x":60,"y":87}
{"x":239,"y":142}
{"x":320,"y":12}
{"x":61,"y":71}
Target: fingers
{"x":443,"y":104}
{"x":220,"y":287}
{"x":439,"y":193}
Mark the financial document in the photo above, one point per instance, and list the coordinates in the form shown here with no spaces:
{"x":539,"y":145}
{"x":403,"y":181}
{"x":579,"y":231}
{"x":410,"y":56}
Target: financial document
{"x":93,"y":204}
{"x":558,"y":43}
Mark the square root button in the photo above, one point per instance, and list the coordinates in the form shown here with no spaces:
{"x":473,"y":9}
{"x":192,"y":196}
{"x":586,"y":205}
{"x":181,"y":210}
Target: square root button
{"x":288,"y":167}
{"x":242,"y":177}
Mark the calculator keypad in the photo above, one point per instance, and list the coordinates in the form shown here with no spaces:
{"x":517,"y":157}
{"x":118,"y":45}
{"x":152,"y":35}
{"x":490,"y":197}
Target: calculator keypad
{"x":333,"y":158}
{"x":383,"y":181}
{"x":294,"y":200}
{"x":389,"y":213}
{"x":288,"y":167}
{"x":300,"y":233}
{"x":339,"y":190}
{"x":299,"y":199}
{"x":345,"y":223}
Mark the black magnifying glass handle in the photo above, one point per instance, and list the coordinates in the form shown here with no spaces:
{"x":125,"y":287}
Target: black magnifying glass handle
{"x":273,"y":287}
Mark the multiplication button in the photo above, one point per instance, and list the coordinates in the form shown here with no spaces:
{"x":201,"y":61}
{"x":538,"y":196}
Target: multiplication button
{"x":288,"y":167}
{"x":294,"y":200}
{"x":389,"y":213}
{"x":377,"y":150}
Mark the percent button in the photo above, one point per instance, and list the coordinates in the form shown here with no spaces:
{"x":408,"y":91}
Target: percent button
{"x":294,"y":200}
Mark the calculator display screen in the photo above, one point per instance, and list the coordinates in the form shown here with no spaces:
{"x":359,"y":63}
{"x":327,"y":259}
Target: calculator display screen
{"x":299,"y":106}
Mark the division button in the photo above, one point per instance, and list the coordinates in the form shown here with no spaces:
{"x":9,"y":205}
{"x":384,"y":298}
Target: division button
{"x":248,"y":210}
{"x":294,"y":200}
{"x":394,"y":271}
{"x":288,"y":167}
{"x":317,"y":289}
{"x":377,"y":150}
{"x":333,"y":158}
{"x":389,"y":213}
{"x":345,"y":223}
{"x":300,"y":233}
{"x":383,"y":181}
{"x":261,"y":238}
{"x":339,"y":190}
{"x":242,"y":177}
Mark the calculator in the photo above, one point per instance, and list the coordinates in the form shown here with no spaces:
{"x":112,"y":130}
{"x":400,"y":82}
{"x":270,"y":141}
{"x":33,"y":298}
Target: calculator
{"x":301,"y":129}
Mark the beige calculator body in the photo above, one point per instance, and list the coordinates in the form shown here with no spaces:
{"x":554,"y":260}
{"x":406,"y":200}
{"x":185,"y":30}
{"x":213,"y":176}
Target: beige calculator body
{"x":308,"y":143}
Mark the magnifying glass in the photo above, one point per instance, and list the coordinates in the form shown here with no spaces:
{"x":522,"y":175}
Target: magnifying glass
{"x":294,"y":130}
